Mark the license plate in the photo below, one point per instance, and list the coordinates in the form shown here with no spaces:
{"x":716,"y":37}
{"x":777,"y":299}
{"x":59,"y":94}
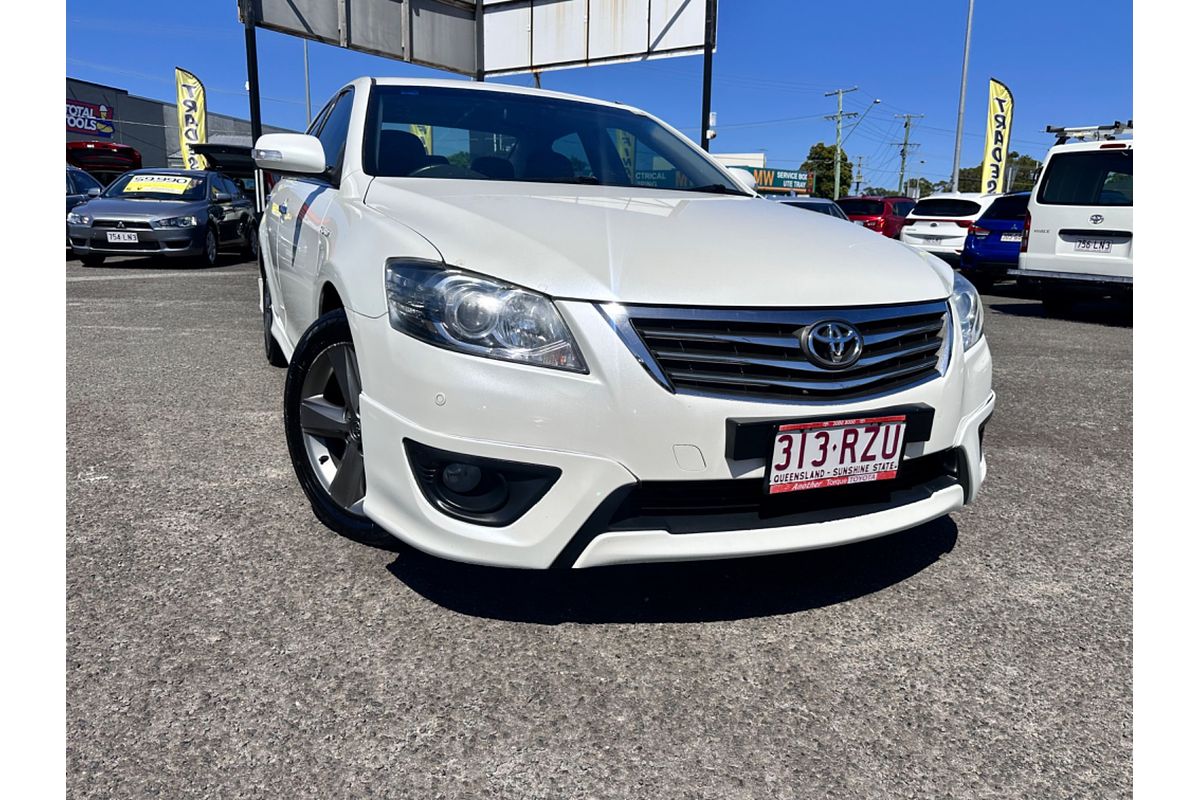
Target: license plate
{"x":1010,"y":237}
{"x":1093,"y":245}
{"x":818,"y":455}
{"x":860,"y":222}
{"x":122,"y":236}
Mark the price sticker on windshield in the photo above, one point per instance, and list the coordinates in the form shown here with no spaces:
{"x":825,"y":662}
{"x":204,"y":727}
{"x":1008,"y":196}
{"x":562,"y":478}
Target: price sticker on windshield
{"x":820,"y":455}
{"x":165,"y":184}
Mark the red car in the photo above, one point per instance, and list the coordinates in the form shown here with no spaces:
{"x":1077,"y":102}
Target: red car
{"x":883,"y":214}
{"x":105,"y":160}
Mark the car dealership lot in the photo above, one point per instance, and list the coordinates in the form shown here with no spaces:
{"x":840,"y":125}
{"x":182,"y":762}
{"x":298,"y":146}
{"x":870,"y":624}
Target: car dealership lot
{"x":221,"y":642}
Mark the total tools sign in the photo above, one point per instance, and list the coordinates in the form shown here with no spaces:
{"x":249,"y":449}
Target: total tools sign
{"x":89,"y":119}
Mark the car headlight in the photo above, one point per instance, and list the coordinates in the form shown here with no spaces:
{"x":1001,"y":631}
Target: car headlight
{"x":174,"y":222}
{"x":969,"y":311}
{"x":79,"y":219}
{"x":477,"y":315}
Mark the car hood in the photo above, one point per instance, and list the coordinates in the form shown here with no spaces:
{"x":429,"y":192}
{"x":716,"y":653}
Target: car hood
{"x":118,"y":208}
{"x":629,"y":245}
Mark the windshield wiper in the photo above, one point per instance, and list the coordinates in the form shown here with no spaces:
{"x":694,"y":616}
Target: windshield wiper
{"x":715,"y":188}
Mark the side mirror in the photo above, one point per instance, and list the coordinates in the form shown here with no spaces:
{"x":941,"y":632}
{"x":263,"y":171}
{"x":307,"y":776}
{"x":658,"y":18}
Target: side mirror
{"x":93,"y":192}
{"x":223,"y":197}
{"x":297,"y":153}
{"x":744,"y":178}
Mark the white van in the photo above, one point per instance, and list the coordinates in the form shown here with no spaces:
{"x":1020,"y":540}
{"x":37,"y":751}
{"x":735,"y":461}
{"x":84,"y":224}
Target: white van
{"x":1079,"y":229}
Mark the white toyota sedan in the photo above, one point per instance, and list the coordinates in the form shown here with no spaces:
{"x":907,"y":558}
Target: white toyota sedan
{"x":529,"y":329}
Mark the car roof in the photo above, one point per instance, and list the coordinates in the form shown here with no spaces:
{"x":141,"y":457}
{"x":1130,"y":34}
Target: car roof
{"x":876,"y":197}
{"x":1069,"y":147}
{"x":802,"y":199}
{"x":961,"y":196}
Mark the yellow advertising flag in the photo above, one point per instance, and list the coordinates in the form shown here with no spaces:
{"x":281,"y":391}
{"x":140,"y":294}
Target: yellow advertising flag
{"x":999,"y":126}
{"x":193,"y":117}
{"x":425,"y":134}
{"x":626,"y":149}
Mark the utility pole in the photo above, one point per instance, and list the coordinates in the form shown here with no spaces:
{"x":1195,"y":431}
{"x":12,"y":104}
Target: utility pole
{"x":962,"y":96}
{"x":904,"y":146}
{"x":710,"y":41}
{"x":858,"y":177}
{"x":837,"y":154}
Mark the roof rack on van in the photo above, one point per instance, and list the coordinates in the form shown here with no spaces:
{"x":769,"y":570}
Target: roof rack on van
{"x":1092,"y":133}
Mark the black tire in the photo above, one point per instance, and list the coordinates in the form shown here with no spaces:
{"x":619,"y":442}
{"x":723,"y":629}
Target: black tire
{"x":92,"y":261}
{"x":273,"y":351}
{"x":982,"y":282}
{"x":250,"y":237}
{"x":1057,"y":301}
{"x":212,"y":245}
{"x":329,"y":331}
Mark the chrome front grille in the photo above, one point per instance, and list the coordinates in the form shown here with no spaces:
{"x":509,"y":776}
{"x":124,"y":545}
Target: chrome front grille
{"x":756,"y":353}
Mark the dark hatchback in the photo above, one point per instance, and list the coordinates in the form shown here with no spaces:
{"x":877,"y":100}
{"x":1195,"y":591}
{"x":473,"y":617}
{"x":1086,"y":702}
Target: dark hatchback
{"x":993,"y":243}
{"x":163,"y":212}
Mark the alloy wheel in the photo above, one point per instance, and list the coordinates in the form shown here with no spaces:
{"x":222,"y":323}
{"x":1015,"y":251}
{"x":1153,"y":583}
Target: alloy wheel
{"x":329,"y":421}
{"x":210,"y":247}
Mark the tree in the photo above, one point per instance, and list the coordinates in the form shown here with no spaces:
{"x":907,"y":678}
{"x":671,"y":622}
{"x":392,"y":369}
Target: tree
{"x":1026,"y":167}
{"x":820,"y":163}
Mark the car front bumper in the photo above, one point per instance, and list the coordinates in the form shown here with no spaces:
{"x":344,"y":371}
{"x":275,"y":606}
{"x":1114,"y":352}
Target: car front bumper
{"x":179,"y":242}
{"x":613,"y":431}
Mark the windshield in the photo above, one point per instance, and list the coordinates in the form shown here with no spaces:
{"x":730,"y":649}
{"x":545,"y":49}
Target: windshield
{"x":157,"y":186}
{"x":438,"y":132}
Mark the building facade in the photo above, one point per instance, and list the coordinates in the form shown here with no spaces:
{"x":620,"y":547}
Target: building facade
{"x":95,"y":112}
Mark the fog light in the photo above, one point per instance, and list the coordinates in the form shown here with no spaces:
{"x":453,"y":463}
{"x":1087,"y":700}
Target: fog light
{"x":461,"y":478}
{"x":484,"y":491}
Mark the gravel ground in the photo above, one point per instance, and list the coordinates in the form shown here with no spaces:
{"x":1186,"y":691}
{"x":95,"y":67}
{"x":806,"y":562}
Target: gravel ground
{"x":222,"y":643}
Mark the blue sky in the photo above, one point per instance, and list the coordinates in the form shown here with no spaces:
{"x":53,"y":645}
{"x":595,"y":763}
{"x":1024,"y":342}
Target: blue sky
{"x":774,"y":61}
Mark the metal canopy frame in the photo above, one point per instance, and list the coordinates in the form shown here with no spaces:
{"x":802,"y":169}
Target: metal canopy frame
{"x":532,"y":35}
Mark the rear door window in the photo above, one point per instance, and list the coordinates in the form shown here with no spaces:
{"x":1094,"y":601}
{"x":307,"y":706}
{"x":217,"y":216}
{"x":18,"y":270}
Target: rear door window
{"x":1091,"y":178}
{"x":945,"y":207}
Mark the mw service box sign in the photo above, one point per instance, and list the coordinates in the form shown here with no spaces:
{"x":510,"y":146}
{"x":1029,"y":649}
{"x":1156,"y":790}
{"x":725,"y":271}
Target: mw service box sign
{"x":780,"y":180}
{"x":89,"y":119}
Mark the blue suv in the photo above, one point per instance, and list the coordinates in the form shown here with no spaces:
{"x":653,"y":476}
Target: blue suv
{"x":994,"y":240}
